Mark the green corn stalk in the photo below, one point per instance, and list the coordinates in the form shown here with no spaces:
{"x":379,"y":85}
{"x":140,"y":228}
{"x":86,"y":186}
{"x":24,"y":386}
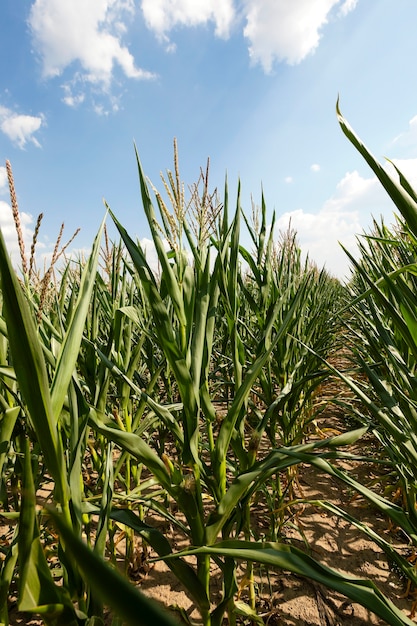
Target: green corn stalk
{"x":401,"y":193}
{"x":382,"y":322}
{"x":37,"y":591}
{"x":111,"y":587}
{"x":181,"y":324}
{"x":43,"y":378}
{"x":383,"y":300}
{"x":185,"y":305}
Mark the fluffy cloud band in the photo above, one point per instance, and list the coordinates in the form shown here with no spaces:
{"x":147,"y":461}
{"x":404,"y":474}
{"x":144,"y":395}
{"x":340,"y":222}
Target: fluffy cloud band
{"x":20,"y":129}
{"x":89,"y":33}
{"x":276,"y":30}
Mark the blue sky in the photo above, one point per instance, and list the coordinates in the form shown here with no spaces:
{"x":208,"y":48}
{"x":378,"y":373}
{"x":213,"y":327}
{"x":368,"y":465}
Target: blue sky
{"x":252,"y":84}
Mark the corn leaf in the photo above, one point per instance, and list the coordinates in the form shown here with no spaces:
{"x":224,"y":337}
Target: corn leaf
{"x":70,"y":348}
{"x":113,"y":590}
{"x":30,"y":368}
{"x":37,"y":591}
{"x":162,"y":547}
{"x":7,"y":422}
{"x":289,"y":558}
{"x":403,"y":200}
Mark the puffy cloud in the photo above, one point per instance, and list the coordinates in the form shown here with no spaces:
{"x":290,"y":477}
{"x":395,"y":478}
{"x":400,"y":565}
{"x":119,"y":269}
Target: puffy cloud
{"x":288,"y":180}
{"x":341,"y":218}
{"x":315,"y":167}
{"x":284,"y":31}
{"x":277,"y":30}
{"x":85,"y":32}
{"x":163,"y":15}
{"x":20,"y":128}
{"x":70,"y":98}
{"x":8,"y":228}
{"x":347,"y":7}
{"x":408,"y":139}
{"x":3,"y":179}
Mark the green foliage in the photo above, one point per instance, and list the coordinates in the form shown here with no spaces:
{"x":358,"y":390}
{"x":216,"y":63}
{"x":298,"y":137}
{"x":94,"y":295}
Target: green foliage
{"x":133,"y":390}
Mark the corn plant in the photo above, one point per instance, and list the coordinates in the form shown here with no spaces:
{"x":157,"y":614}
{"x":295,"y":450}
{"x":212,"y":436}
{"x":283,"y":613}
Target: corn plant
{"x":112,"y":393}
{"x":42,"y":401}
{"x":382,"y":323}
{"x":207,"y":459}
{"x":384,"y":303}
{"x":283,"y":403}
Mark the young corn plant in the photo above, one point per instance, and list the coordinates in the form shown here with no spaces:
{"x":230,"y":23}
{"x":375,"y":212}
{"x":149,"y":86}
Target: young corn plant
{"x":384,"y":302}
{"x":383,"y":314}
{"x":283,"y":406}
{"x":185,"y":324}
{"x":89,"y":378}
{"x":43,"y":377}
{"x":43,"y":432}
{"x":204,"y":469}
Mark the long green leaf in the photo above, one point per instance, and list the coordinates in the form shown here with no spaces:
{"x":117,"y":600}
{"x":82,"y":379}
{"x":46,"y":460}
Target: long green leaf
{"x":7,"y":570}
{"x":114,"y":590}
{"x":176,"y":357}
{"x":169,"y":276}
{"x":228,"y":425}
{"x":162,"y":547}
{"x":7,"y":422}
{"x":70,"y":348}
{"x":37,"y":591}
{"x":403,"y":200}
{"x":30,"y":368}
{"x":276,"y":461}
{"x":393,"y":555}
{"x":133,"y":444}
{"x":289,"y":558}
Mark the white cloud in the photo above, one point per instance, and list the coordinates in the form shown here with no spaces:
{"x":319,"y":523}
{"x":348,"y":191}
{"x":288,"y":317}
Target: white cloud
{"x":347,"y":7}
{"x":20,"y":128}
{"x":279,"y":30}
{"x":288,"y":180}
{"x":315,"y":167}
{"x":3,"y":179}
{"x":408,"y":139}
{"x":163,"y":15}
{"x":276,"y":30}
{"x":85,"y":32}
{"x":8,"y":229}
{"x":70,"y":98}
{"x":341,"y":218}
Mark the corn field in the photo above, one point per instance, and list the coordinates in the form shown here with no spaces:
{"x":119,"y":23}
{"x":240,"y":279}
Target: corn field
{"x":190,"y":393}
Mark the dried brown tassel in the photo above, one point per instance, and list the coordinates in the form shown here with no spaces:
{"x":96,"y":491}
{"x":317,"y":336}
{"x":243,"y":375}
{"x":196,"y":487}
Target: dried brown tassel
{"x":16,"y":217}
